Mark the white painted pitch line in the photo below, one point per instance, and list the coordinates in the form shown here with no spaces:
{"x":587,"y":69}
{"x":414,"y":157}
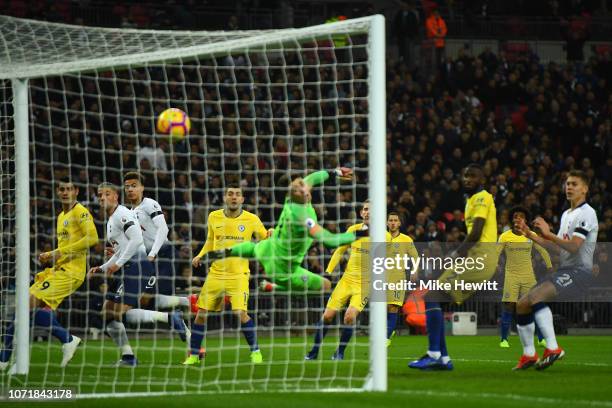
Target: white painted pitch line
{"x":178,"y":393}
{"x":508,"y":397}
{"x":428,"y":393}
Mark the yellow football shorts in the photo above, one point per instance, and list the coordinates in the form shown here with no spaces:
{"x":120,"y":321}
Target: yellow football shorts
{"x":214,"y":291}
{"x":516,"y":287}
{"x":347,"y":292}
{"x":396,"y":297}
{"x":53,"y":285}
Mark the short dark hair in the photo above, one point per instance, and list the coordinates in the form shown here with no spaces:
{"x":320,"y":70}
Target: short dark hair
{"x":580,"y":174}
{"x":134,"y":175}
{"x":65,"y":180}
{"x":397,"y":214}
{"x":519,"y":209}
{"x":232,"y":185}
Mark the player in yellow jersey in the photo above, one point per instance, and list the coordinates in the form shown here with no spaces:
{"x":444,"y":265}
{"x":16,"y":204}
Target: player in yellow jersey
{"x":349,"y":290}
{"x":230,"y":276}
{"x":76,"y":233}
{"x":519,"y":277}
{"x":480,"y":246}
{"x":399,"y":244}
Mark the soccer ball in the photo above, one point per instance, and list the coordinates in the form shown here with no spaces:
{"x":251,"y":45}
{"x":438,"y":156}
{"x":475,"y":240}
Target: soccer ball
{"x":175,"y":123}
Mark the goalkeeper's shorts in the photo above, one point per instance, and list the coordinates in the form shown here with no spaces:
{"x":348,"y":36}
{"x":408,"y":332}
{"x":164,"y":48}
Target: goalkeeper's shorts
{"x":286,"y":273}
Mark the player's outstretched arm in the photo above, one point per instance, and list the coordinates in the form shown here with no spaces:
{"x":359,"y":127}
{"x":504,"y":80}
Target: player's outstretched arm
{"x":209,"y":257}
{"x":321,"y":176}
{"x":331,"y":240}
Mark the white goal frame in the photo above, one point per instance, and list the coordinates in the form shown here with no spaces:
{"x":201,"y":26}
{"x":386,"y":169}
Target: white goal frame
{"x":19,"y":73}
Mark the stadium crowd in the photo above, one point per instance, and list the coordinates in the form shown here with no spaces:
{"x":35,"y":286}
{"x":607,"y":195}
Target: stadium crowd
{"x":526,"y":122}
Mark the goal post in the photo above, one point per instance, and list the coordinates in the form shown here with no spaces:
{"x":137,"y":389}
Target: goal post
{"x":93,"y":94}
{"x":378,"y":198}
{"x":22,"y":225}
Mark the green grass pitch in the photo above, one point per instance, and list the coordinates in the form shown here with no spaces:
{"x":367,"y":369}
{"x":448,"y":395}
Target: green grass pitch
{"x":482,"y":375}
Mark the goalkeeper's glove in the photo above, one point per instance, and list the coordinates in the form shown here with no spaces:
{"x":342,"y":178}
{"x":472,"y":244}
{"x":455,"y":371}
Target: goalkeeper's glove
{"x":342,"y":173}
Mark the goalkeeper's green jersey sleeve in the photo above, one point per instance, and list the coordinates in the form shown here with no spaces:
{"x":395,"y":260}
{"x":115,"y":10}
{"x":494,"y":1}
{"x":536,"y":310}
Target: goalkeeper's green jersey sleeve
{"x":316,"y":178}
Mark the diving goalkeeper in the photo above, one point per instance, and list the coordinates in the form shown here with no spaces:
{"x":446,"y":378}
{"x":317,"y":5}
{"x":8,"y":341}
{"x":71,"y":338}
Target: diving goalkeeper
{"x":282,"y":254}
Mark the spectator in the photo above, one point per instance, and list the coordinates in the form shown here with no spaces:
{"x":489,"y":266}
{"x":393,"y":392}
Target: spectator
{"x":576,"y":33}
{"x":406,"y":28}
{"x":154,"y":155}
{"x":436,"y":30}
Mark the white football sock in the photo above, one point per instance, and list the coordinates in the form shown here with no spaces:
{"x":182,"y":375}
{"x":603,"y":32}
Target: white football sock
{"x":168,"y":302}
{"x":434,"y":354}
{"x":544,"y":319}
{"x":116,"y":330}
{"x":135,"y":316}
{"x":526,"y":333}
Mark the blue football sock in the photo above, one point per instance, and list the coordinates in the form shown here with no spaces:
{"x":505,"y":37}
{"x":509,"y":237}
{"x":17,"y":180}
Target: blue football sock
{"x":345,"y":337}
{"x":197,"y":335}
{"x":250,"y":334}
{"x":320,"y":332}
{"x":7,"y":343}
{"x":434,"y":321}
{"x":391,"y":323}
{"x":46,"y":318}
{"x":524,"y":319}
{"x":443,"y":350}
{"x":506,"y":322}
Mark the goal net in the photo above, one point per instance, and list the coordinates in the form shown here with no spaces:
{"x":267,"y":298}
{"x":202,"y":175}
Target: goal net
{"x":262,"y":105}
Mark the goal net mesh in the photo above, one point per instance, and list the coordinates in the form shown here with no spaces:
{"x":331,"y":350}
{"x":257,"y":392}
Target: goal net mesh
{"x":262,"y":104}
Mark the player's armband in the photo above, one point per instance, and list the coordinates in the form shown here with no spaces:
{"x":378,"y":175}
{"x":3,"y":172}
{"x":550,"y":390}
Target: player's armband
{"x":362,"y":233}
{"x":311,"y":225}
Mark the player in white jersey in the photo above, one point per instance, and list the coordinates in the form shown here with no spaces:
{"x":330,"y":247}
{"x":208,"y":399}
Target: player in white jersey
{"x":575,"y":243}
{"x":155,"y":236}
{"x":132,"y":275}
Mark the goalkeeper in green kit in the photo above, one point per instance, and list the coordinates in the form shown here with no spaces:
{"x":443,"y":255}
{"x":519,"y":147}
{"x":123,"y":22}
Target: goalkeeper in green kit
{"x":282,"y":254}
